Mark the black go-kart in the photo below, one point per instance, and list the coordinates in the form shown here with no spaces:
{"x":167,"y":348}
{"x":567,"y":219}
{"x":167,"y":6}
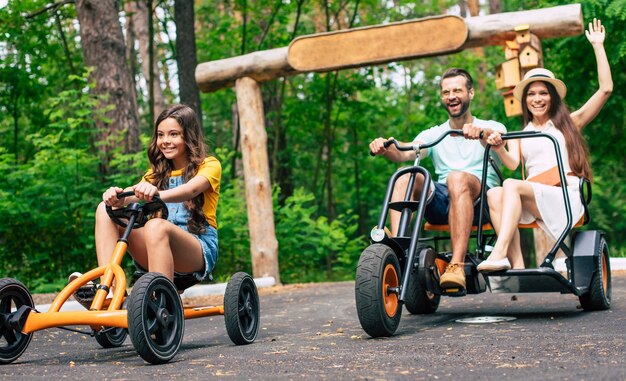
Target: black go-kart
{"x":405,"y":270}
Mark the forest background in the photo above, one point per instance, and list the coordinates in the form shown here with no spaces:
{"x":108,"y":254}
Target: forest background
{"x":66,"y":137}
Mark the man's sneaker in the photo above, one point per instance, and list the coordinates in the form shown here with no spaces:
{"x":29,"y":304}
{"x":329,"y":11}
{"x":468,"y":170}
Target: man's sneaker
{"x":86,"y":293}
{"x":453,"y":277}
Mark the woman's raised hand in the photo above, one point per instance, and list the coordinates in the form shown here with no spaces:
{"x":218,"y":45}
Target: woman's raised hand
{"x":595,"y":34}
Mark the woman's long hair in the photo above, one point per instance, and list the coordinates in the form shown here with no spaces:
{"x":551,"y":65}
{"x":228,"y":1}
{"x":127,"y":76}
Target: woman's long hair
{"x":196,"y":153}
{"x":574,"y":142}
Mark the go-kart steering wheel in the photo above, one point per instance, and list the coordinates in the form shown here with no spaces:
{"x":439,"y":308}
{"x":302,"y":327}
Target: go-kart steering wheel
{"x":144,"y":211}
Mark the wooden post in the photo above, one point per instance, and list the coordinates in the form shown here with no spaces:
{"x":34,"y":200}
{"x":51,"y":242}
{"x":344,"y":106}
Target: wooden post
{"x":263,"y":243}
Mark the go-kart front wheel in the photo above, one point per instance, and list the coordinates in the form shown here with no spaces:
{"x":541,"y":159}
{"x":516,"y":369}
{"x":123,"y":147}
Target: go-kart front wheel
{"x":155,"y":318}
{"x":13,"y":295}
{"x":241,"y":309}
{"x":376,"y":291}
{"x":599,"y":295}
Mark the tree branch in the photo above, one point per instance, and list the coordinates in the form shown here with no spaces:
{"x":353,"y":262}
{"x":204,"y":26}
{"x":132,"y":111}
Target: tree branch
{"x":48,"y":7}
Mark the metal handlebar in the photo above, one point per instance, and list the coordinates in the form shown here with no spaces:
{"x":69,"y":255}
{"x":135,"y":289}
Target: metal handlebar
{"x":417,"y":147}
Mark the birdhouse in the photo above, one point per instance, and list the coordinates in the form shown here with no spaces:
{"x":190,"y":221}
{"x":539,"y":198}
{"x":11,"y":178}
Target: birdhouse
{"x":529,"y":57}
{"x":507,"y":74}
{"x":522,"y":34}
{"x":511,"y":50}
{"x":512,"y":107}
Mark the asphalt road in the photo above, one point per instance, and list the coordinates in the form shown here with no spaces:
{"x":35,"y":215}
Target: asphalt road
{"x":312,"y":332}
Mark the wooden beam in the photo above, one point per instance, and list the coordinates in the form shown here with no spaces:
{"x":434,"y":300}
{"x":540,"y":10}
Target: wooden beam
{"x":263,"y":243}
{"x":560,"y":21}
{"x":261,"y":66}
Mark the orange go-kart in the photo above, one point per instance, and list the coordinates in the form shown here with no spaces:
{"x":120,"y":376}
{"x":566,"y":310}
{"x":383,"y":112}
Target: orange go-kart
{"x":152,"y":314}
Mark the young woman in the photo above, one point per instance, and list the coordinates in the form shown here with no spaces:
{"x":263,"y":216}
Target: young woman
{"x":188,"y":181}
{"x":524,"y":201}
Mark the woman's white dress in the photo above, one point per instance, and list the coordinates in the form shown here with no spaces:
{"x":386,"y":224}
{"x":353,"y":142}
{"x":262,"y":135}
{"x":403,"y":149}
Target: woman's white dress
{"x":539,"y":156}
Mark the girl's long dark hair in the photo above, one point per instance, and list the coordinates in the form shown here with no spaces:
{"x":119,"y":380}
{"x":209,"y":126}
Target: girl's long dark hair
{"x":196,"y":153}
{"x":574,"y":142}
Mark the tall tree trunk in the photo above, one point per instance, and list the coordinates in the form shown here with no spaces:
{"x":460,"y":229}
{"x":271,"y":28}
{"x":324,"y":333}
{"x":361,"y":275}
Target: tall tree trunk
{"x":103,"y":48}
{"x":186,"y":56}
{"x":131,"y":57}
{"x":137,"y":11}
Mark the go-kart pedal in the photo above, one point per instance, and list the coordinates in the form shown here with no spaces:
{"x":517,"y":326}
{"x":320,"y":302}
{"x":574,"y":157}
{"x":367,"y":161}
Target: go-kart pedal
{"x":454,"y":291}
{"x":86,"y":293}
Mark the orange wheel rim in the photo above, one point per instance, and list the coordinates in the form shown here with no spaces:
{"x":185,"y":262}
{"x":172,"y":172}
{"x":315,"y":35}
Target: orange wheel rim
{"x":605,"y":275}
{"x":390,"y":279}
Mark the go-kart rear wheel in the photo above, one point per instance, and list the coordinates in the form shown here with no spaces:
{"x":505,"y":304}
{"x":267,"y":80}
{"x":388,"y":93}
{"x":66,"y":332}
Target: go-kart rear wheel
{"x":13,"y":295}
{"x":418,"y":299}
{"x":155,"y":318}
{"x":377,"y":284}
{"x":111,"y":337}
{"x":599,"y":295}
{"x":241,"y":309}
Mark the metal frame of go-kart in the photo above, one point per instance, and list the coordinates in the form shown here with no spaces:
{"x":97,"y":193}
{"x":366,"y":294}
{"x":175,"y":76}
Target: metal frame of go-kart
{"x":385,"y":281}
{"x":153,"y":314}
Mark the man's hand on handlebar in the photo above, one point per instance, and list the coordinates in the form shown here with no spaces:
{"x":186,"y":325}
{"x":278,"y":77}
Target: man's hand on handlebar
{"x":377,"y":146}
{"x":471,"y":131}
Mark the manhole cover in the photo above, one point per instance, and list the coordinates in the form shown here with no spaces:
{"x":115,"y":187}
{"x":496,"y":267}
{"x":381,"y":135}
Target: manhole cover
{"x":486,"y":319}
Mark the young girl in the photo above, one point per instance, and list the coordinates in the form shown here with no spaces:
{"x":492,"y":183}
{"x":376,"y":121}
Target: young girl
{"x":527,"y":201}
{"x":188,"y":181}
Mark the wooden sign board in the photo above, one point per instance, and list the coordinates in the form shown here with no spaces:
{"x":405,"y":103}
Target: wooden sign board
{"x":431,"y":36}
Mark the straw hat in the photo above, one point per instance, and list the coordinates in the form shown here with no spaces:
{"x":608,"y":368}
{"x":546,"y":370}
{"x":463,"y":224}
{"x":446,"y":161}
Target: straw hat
{"x":539,"y":74}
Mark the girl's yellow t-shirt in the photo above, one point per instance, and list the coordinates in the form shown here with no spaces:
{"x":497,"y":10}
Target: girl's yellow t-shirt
{"x":211,"y":169}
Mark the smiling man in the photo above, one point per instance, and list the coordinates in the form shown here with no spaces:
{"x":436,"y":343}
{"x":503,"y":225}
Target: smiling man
{"x":458,"y":165}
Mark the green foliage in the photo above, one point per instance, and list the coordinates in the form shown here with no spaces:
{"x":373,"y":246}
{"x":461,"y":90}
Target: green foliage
{"x":47,"y":203}
{"x":308,"y":244}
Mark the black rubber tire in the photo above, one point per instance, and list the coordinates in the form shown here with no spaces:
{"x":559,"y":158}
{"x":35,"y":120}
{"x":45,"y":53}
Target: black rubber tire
{"x":156,"y":321}
{"x":598,"y":297}
{"x":241,"y":309}
{"x":379,"y":311}
{"x":111,"y":337}
{"x":13,"y":294}
{"x":417,"y":299}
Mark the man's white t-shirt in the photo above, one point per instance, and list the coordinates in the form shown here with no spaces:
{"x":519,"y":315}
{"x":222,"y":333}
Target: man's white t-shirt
{"x":455,"y":153}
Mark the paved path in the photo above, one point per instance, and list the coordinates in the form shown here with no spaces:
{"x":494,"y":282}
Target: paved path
{"x":311,"y":332}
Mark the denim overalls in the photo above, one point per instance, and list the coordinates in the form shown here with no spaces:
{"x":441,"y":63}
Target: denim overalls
{"x":179,"y":215}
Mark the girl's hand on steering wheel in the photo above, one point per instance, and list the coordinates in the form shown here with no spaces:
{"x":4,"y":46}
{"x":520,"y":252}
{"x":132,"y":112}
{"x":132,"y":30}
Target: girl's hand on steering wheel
{"x":145,"y":191}
{"x":110,"y":197}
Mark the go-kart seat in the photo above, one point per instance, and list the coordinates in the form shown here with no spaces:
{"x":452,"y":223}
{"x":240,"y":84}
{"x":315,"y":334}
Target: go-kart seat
{"x":181,"y":281}
{"x":584,"y":187}
{"x":446,"y":227}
